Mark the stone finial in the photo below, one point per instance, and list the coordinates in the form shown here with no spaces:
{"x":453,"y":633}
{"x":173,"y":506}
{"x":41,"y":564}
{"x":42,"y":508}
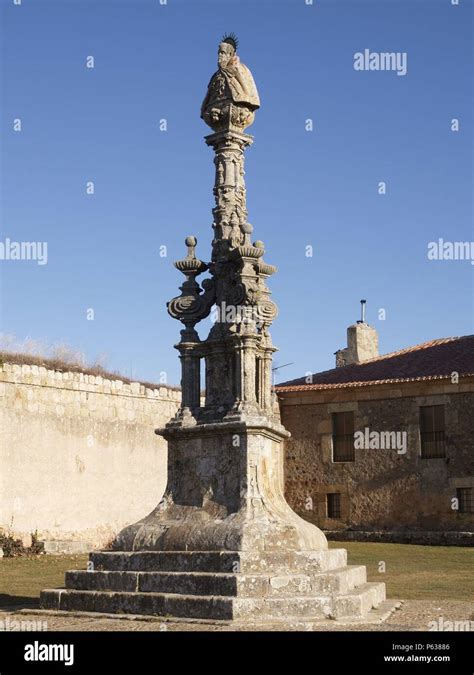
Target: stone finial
{"x":192,"y":305}
{"x":191,"y":265}
{"x":191,"y":243}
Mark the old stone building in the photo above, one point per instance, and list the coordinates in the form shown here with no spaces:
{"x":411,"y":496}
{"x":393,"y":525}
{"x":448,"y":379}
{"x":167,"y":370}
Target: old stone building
{"x":385,"y":443}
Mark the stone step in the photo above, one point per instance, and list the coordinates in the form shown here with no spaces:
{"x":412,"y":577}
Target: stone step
{"x":244,"y":562}
{"x":315,"y":608}
{"x":188,"y":606}
{"x":155,"y":604}
{"x":209,"y":583}
{"x":340,"y":580}
{"x":359,"y":602}
{"x":334,"y":558}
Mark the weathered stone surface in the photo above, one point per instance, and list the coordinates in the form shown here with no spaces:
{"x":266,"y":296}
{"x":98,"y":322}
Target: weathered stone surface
{"x":195,"y":596}
{"x":211,"y":583}
{"x":62,"y":437}
{"x":247,"y":562}
{"x":306,"y":584}
{"x":221,"y":497}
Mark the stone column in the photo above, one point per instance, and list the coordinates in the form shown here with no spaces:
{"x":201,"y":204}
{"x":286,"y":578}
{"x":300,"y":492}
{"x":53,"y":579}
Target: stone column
{"x":230,"y":211}
{"x":267,"y":384}
{"x":190,"y":377}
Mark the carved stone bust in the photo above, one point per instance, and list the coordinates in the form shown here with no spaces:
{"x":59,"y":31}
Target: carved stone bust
{"x":232,"y":96}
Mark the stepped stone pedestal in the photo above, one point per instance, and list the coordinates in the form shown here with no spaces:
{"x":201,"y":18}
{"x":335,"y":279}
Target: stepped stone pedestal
{"x":223,"y":544}
{"x":272,"y":587}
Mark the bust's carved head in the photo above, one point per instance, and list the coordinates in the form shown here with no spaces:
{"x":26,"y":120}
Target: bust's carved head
{"x":227,"y":50}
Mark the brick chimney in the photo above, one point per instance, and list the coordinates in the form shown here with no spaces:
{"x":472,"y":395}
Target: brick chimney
{"x":362,"y":343}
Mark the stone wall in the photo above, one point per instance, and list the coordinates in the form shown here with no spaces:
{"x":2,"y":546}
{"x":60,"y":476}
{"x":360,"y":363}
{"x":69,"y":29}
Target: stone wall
{"x":78,"y":455}
{"x":381,"y":489}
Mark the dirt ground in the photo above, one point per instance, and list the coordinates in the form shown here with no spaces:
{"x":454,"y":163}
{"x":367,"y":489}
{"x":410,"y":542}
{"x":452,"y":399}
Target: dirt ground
{"x":413,"y":615}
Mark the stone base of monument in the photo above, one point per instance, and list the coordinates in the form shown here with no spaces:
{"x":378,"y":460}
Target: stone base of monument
{"x":268,"y":587}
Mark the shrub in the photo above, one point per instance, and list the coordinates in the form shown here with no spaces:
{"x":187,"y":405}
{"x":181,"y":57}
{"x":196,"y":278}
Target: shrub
{"x":13,"y":548}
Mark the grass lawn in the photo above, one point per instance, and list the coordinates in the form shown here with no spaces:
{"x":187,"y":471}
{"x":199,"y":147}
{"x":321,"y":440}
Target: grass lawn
{"x":416,"y":572}
{"x":412,"y":572}
{"x":22,"y":579}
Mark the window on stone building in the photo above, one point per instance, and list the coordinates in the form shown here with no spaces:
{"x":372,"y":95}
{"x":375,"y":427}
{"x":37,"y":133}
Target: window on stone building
{"x":333,"y":505}
{"x":343,"y":437}
{"x":464,"y":496}
{"x":432,"y":431}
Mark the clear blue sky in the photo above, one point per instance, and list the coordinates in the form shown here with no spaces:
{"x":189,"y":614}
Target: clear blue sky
{"x":304,"y":188}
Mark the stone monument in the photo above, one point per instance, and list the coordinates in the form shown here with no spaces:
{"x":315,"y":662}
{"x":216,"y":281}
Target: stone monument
{"x":223,"y":544}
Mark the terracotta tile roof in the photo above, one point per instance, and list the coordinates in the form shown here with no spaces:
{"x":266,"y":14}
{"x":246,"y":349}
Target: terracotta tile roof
{"x":434,"y":360}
